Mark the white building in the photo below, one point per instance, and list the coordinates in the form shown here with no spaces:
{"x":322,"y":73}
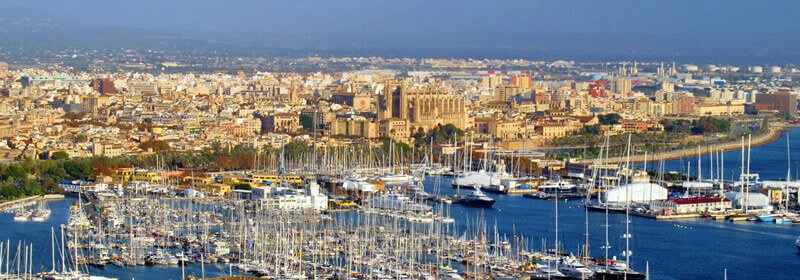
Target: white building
{"x":752,"y":200}
{"x":398,"y":202}
{"x":290,"y":199}
{"x":635,"y":193}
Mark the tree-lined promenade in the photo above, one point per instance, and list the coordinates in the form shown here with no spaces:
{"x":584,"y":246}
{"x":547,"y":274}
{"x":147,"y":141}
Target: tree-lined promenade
{"x":767,"y":135}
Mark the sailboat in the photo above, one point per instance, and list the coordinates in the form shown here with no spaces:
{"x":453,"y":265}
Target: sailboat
{"x":22,"y":215}
{"x":617,"y":269}
{"x":66,"y":274}
{"x":41,"y":213}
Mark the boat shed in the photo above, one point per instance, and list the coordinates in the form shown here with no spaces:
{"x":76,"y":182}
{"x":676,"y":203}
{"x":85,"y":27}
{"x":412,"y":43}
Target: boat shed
{"x":753,"y":200}
{"x":636,"y":192}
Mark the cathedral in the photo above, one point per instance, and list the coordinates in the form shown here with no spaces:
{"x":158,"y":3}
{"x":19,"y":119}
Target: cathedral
{"x":423,"y":108}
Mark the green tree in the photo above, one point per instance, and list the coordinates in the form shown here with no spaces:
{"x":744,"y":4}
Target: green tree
{"x":307,"y":122}
{"x":710,"y":125}
{"x":78,"y":169}
{"x":9,"y":191}
{"x":59,"y":155}
{"x":52,"y":170}
{"x":294,"y":149}
{"x":592,"y":129}
{"x":242,"y":186}
{"x":15,"y":171}
{"x":609,"y":119}
{"x":32,"y":187}
{"x":157,"y":146}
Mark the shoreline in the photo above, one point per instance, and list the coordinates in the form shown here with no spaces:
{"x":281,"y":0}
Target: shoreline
{"x":774,"y":133}
{"x":12,"y":204}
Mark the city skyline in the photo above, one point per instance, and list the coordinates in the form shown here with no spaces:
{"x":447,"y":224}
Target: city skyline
{"x":685,"y":31}
{"x":415,"y":140}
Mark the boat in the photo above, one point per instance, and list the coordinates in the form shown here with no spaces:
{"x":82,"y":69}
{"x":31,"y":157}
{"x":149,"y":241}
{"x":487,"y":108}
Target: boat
{"x":22,"y":215}
{"x":480,"y":178}
{"x":398,"y":178}
{"x":100,"y":259}
{"x":620,"y":269}
{"x":766,"y":218}
{"x":548,"y":273}
{"x":72,"y":275}
{"x":495,"y":188}
{"x":618,"y":274}
{"x":478,"y":199}
{"x":783,"y":220}
{"x":576,"y":270}
{"x":565,"y":190}
{"x":41,"y":213}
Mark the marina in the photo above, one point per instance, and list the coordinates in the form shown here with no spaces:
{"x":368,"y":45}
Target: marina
{"x":401,"y":226}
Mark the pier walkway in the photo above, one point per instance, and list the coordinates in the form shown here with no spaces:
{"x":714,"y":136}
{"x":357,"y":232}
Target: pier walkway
{"x":773,"y":133}
{"x":10,"y":205}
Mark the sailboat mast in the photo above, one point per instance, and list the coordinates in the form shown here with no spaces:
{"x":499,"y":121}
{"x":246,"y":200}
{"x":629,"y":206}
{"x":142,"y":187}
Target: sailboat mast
{"x":628,"y":210}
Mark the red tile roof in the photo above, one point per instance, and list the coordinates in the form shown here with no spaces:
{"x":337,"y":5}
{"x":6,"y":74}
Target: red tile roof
{"x":698,"y":200}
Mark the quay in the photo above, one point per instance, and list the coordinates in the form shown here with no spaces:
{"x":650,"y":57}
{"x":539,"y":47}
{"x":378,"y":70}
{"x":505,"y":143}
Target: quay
{"x":521,"y":191}
{"x":772,"y":134}
{"x":27,"y":201}
{"x":733,"y":216}
{"x":223,"y":278}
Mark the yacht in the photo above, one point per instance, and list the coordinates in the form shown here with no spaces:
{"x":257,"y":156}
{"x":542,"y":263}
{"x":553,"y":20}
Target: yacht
{"x":496,"y":188}
{"x":22,"y":215}
{"x":766,"y":218}
{"x":576,"y":270}
{"x":618,"y":273}
{"x":548,"y":273}
{"x":73,"y":275}
{"x":478,"y":199}
{"x":397,"y":178}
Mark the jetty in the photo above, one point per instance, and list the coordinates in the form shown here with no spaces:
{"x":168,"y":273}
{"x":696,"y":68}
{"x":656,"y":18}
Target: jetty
{"x":9,"y":206}
{"x":772,"y":134}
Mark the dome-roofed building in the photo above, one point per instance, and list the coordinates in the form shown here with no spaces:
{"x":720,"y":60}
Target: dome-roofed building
{"x":637,"y":192}
{"x":753,"y":200}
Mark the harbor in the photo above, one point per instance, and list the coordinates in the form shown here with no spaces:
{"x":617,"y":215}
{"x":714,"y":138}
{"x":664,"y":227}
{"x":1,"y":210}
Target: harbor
{"x":376,"y":219}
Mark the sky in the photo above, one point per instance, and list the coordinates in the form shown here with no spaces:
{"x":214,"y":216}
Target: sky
{"x":669,"y":27}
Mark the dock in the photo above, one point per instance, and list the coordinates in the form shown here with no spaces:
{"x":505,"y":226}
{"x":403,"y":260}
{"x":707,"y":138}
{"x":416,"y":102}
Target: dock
{"x":27,"y":201}
{"x":521,"y":191}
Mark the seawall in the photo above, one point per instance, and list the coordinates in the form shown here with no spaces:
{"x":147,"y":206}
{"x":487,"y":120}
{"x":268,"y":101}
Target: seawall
{"x":773,"y":133}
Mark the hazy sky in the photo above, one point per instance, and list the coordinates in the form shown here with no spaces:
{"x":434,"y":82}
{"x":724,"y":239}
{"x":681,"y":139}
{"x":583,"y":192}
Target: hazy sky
{"x":735,"y":24}
{"x":481,"y":17}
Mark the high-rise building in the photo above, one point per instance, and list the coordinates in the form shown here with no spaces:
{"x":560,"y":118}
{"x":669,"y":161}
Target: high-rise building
{"x":521,"y":81}
{"x":667,"y":86}
{"x":623,"y":86}
{"x":104,"y":86}
{"x":684,"y":105}
{"x":491,"y":81}
{"x":782,"y":102}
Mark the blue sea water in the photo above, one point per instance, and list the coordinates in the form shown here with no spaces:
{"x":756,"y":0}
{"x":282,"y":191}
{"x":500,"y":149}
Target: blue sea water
{"x":769,"y":161}
{"x":690,"y":249}
{"x":39,"y":235}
